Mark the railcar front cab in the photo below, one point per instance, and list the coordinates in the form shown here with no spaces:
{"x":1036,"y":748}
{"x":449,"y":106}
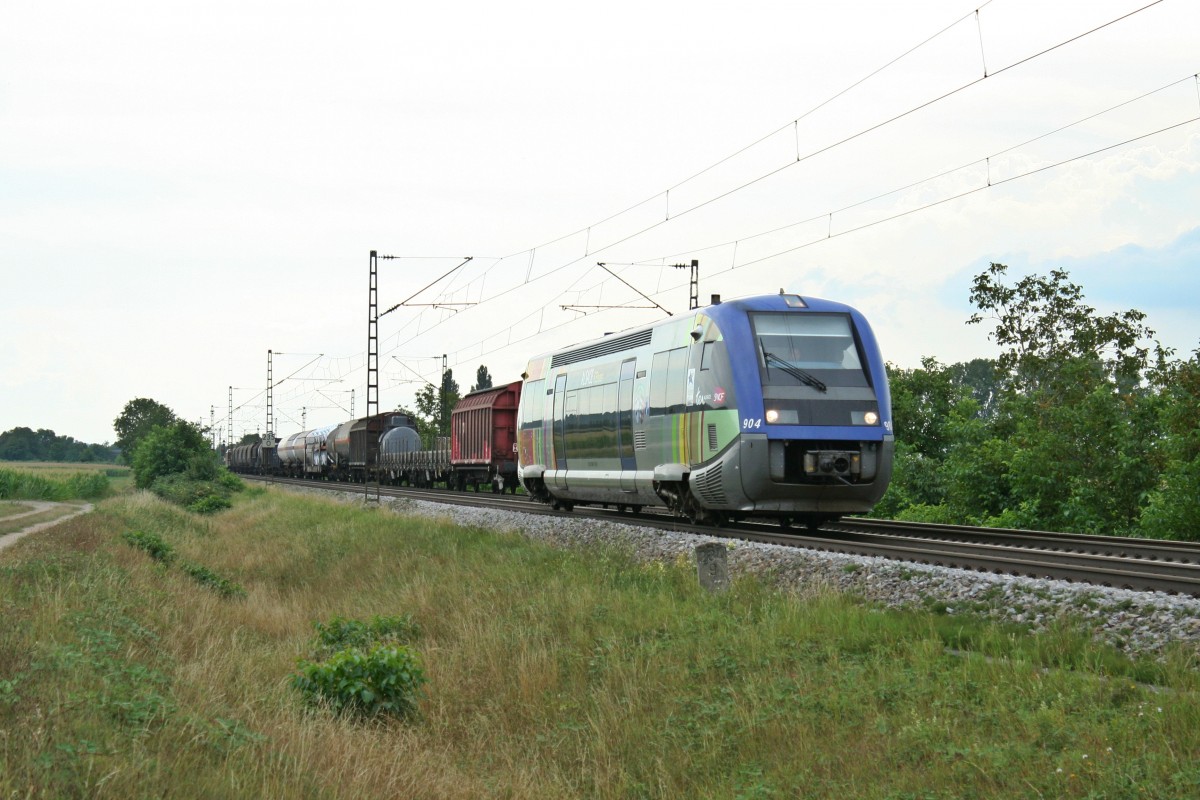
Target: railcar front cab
{"x":768,"y":406}
{"x":815,"y":413}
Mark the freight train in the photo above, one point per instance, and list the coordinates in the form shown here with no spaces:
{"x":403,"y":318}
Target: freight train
{"x":774,"y":406}
{"x":386,"y":447}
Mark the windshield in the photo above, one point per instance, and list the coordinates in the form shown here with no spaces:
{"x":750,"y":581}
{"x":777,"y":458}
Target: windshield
{"x":804,"y":349}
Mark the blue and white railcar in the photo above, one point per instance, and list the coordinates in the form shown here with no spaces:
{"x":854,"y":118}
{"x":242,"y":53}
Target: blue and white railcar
{"x":771,"y":406}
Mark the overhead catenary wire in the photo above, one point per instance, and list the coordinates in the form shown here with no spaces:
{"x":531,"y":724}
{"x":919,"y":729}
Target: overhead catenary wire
{"x":928,"y":179}
{"x":587,"y":230}
{"x":812,"y":154}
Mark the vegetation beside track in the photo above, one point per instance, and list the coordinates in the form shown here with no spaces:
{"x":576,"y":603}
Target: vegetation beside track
{"x":59,"y":482}
{"x":1083,"y":424}
{"x":550,"y":674}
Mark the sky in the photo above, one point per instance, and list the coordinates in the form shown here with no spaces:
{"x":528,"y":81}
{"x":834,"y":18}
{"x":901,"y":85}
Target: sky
{"x":185,"y":186}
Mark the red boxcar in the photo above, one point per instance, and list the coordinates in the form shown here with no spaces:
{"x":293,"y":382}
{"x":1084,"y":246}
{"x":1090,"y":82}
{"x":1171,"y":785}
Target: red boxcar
{"x":483,"y":438}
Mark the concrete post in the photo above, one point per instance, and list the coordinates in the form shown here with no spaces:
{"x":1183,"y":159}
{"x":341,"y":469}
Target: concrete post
{"x":712,"y":566}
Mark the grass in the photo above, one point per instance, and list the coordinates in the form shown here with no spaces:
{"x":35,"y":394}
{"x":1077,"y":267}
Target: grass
{"x":36,"y":480}
{"x":12,"y":509}
{"x":551,"y":674}
{"x":9,"y":525}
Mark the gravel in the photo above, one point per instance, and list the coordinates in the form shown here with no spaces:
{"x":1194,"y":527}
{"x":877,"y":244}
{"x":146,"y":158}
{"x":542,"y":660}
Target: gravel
{"x":1138,"y":623}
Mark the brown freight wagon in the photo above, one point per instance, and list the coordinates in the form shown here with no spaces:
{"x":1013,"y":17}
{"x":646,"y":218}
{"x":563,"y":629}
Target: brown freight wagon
{"x":483,"y":438}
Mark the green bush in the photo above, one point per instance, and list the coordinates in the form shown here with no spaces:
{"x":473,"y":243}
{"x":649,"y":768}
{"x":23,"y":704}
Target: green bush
{"x":206,"y":577}
{"x":921,"y":512}
{"x":227,"y":480}
{"x":199,"y":496}
{"x":384,"y":680}
{"x":152,"y":543}
{"x":168,"y":449}
{"x":209,"y":505}
{"x":340,"y":633}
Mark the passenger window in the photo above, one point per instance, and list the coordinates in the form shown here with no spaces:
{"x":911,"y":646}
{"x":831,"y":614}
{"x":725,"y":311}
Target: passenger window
{"x":658,"y":383}
{"x":533,"y":401}
{"x":676,"y":380}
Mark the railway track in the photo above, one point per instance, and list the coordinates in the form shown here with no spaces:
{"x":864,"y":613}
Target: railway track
{"x":1137,"y":564}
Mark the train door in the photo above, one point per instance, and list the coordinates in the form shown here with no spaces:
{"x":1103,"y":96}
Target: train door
{"x":560,"y":425}
{"x":695,"y":418}
{"x":625,"y":425}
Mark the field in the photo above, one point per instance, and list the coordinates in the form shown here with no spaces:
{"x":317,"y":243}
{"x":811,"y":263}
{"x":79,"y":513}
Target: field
{"x":36,"y":480}
{"x":120,"y":476}
{"x":551,"y":674}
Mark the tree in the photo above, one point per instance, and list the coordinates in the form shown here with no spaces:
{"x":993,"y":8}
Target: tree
{"x":483,"y":379}
{"x":1043,"y":323}
{"x":137,"y":419}
{"x":981,"y":376}
{"x":1074,"y":425}
{"x":1173,"y":508}
{"x":921,"y":403}
{"x":434,"y":406}
{"x":449,"y":400}
{"x":169,"y":449}
{"x":19,"y":444}
{"x":24,"y":444}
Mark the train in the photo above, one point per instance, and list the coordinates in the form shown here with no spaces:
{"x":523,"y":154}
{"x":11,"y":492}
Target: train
{"x":774,"y":406}
{"x":481,"y":449}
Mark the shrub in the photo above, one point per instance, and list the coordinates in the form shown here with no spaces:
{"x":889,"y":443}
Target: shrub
{"x":227,"y":480}
{"x":921,"y":512}
{"x":340,"y":633}
{"x":206,"y":577}
{"x":169,"y":449}
{"x":384,"y":680}
{"x":152,"y":543}
{"x":202,"y":497}
{"x":203,"y":466}
{"x":209,"y":505}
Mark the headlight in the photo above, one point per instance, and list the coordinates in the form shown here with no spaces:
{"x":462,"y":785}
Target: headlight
{"x":772,"y":415}
{"x":871,"y":418}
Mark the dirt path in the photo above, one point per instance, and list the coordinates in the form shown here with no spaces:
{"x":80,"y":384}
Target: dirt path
{"x":39,"y":507}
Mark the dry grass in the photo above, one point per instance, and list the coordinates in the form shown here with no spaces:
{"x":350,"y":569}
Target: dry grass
{"x":8,"y":525}
{"x":65,"y":469}
{"x":551,"y":675}
{"x":9,"y":509}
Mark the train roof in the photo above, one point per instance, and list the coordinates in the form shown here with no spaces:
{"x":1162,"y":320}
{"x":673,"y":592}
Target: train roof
{"x":481,"y":398}
{"x":719,"y":312}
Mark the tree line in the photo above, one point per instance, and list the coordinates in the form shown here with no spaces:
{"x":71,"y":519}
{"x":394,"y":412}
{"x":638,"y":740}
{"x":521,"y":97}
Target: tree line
{"x":1083,"y":423}
{"x":26,"y":444}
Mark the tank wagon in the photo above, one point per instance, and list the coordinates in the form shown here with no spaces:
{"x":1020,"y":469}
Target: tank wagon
{"x":304,"y":454}
{"x":481,"y":448}
{"x":255,"y":459}
{"x":772,"y":406}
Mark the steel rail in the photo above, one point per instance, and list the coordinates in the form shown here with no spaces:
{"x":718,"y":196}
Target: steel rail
{"x":1092,"y":544}
{"x":1158,"y":566}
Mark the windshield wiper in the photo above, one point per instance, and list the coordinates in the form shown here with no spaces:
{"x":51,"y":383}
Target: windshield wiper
{"x":806,"y":378}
